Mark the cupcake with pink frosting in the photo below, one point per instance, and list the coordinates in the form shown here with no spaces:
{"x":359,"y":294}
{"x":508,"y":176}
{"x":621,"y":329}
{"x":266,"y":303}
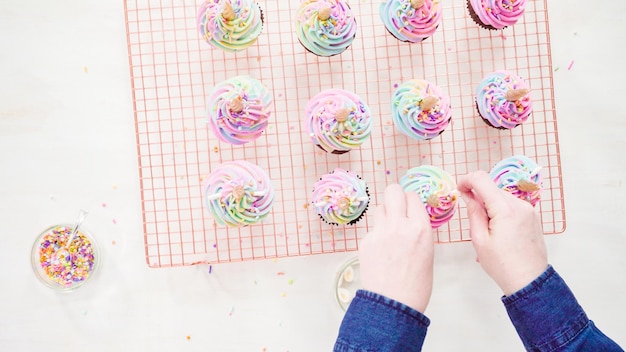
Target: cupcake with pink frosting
{"x":239,"y":109}
{"x":411,"y":20}
{"x":230,"y":25}
{"x":520,"y":176}
{"x":338,"y":121}
{"x":436,"y":189}
{"x":340,"y":197}
{"x":496,"y":14}
{"x":238,"y":193}
{"x":503,"y":100}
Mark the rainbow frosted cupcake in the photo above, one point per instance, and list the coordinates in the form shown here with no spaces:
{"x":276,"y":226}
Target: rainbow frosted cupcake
{"x":340,"y":197}
{"x":437,"y":190}
{"x":230,"y":25}
{"x":519,"y":176}
{"x":411,"y":20}
{"x":496,"y":14}
{"x":503,"y":100}
{"x":420,"y":110}
{"x":338,"y":120}
{"x":325,"y":27}
{"x":239,"y":109}
{"x":238,"y":193}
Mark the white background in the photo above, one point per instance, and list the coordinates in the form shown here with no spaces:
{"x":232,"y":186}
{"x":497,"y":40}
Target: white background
{"x":67,"y":141}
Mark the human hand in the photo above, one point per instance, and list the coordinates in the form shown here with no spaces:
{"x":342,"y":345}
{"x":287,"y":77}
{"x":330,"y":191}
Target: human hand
{"x":506,"y":233}
{"x":396,"y":256}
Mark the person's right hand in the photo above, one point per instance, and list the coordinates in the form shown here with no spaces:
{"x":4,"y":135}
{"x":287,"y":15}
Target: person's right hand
{"x":396,"y":256}
{"x":506,"y":233}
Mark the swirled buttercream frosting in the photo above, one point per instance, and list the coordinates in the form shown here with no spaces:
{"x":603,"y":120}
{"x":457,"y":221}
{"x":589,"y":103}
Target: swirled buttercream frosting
{"x":503,"y":100}
{"x":437,"y":190}
{"x":496,"y":14}
{"x":519,"y":176}
{"x":238,"y":193}
{"x":230,"y":25}
{"x":325,"y":27}
{"x":420,"y":109}
{"x":238,"y":109}
{"x":411,"y":20}
{"x":338,"y":120}
{"x":340,"y":197}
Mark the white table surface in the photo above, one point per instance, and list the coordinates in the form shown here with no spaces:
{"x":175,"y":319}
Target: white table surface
{"x":67,"y":141}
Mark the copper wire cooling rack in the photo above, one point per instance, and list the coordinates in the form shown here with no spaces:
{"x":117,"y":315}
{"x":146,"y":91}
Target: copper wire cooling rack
{"x":173,"y":70}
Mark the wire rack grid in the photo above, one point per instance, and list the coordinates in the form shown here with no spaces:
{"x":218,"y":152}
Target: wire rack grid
{"x":173,"y":70}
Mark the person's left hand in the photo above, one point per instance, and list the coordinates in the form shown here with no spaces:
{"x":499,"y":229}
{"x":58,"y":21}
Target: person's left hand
{"x":396,"y":256}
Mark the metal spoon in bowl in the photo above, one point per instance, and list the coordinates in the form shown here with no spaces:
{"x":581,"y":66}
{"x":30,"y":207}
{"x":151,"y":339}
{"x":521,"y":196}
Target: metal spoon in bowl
{"x":64,"y":252}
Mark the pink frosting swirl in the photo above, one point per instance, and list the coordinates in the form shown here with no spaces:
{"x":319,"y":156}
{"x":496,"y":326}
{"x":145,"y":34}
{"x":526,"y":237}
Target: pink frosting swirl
{"x":230,"y":25}
{"x":498,"y":13}
{"x":239,"y":109}
{"x":520,"y":176}
{"x":340,"y":197}
{"x":338,"y":120}
{"x":411,"y":21}
{"x":238,"y":193}
{"x":436,"y":189}
{"x":503,"y":100}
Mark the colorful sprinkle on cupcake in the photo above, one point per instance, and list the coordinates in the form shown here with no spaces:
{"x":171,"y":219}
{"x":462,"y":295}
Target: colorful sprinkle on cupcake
{"x":340,"y":197}
{"x":520,"y":176}
{"x":239,"y":109}
{"x":238,"y":193}
{"x":230,"y":25}
{"x":420,"y":109}
{"x":503,"y":100}
{"x":496,"y":14}
{"x":437,"y":190}
{"x":411,"y":20}
{"x":325,"y":27}
{"x":338,"y":120}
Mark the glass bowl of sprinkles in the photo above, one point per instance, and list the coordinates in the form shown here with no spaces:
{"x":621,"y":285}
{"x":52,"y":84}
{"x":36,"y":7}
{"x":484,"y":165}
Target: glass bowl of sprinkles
{"x":65,"y":270}
{"x":347,"y":283}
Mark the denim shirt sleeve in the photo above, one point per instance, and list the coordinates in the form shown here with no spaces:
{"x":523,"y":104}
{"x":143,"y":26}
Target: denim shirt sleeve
{"x":376,"y":323}
{"x":547,"y":317}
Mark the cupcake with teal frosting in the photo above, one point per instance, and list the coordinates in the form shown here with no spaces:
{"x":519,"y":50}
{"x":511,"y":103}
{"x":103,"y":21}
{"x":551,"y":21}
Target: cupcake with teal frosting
{"x":340,"y":197}
{"x":436,"y":189}
{"x":325,"y":27}
{"x":520,"y":176}
{"x":230,"y":25}
{"x":411,"y":20}
{"x":338,"y":120}
{"x":420,"y":109}
{"x":503,"y":100}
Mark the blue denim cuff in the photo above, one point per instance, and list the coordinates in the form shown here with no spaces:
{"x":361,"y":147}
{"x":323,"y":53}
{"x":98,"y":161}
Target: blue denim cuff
{"x":376,"y":323}
{"x":545,"y":313}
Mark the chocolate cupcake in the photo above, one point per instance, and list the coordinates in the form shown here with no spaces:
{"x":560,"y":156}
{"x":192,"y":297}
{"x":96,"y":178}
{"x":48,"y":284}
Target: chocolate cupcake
{"x":411,"y":20}
{"x":503,"y":100}
{"x":496,"y":14}
{"x":340,"y":197}
{"x":338,"y":121}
